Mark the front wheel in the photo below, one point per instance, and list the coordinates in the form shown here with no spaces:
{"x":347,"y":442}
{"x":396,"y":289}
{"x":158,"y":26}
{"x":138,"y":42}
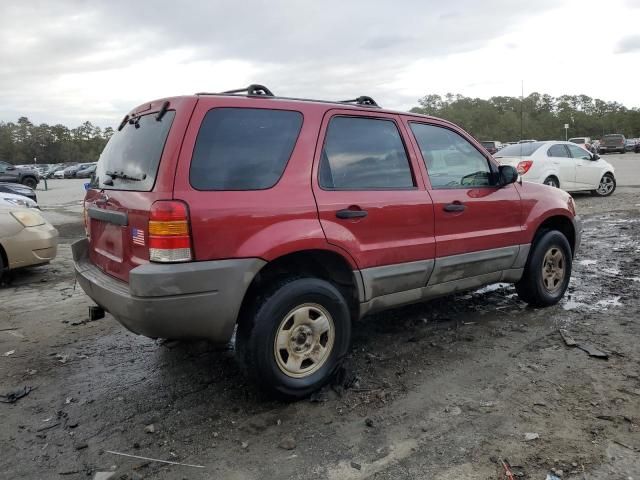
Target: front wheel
{"x":547,"y":272}
{"x":606,"y":186}
{"x":293,"y":338}
{"x":552,"y":182}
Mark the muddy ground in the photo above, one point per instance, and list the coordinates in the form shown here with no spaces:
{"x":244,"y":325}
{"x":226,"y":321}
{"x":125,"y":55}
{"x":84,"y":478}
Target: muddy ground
{"x":442,"y":390}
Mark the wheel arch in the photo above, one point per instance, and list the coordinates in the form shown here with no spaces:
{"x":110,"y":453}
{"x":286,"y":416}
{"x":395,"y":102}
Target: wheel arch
{"x":325,"y":264}
{"x":561,"y":223}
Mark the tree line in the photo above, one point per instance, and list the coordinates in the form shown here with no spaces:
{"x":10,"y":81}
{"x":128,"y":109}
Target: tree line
{"x":22,"y":141}
{"x":536,"y":116}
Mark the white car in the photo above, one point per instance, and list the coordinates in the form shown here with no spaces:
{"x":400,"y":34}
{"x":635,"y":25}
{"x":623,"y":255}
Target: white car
{"x":13,"y":200}
{"x":59,"y":173}
{"x":560,"y":164}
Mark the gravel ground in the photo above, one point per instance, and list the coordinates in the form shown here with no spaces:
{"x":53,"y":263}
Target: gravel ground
{"x":441,"y":390}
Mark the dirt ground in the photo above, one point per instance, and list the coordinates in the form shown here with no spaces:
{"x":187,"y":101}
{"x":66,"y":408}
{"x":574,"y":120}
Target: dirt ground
{"x":442,"y":390}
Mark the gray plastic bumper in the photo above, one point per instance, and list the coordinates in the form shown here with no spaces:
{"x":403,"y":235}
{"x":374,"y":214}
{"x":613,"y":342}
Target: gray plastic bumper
{"x":183,"y":300}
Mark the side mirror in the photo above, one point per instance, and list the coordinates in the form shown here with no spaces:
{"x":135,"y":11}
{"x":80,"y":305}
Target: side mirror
{"x":595,"y":157}
{"x":507,"y":174}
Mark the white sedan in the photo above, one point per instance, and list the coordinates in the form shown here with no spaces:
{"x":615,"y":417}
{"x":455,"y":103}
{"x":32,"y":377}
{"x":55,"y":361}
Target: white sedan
{"x":560,"y":164}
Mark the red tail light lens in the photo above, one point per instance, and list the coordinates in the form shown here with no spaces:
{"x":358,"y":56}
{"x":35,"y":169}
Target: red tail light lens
{"x":169,"y":232}
{"x":524,"y":166}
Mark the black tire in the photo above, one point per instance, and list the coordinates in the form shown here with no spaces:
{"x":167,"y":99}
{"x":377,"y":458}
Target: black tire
{"x":260,"y":322}
{"x":531,"y":287}
{"x":552,"y":181}
{"x":623,"y":151}
{"x":29,"y":182}
{"x":603,"y":192}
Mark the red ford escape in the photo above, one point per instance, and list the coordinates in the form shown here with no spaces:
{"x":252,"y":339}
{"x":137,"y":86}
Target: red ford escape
{"x":284,"y":220}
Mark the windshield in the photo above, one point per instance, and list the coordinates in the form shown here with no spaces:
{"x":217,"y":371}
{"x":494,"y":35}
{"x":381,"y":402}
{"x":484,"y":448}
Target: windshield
{"x":131,"y":158}
{"x":519,"y":150}
{"x":579,"y":141}
{"x":488,"y":144}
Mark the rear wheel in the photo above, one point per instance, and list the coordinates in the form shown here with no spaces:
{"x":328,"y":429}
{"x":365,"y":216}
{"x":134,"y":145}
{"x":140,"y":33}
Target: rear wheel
{"x":548,"y":270}
{"x":293,"y":338}
{"x":606,"y":186}
{"x":552,"y":182}
{"x":29,"y":182}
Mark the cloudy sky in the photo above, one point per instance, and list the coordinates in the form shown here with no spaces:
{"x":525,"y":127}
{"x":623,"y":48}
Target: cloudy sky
{"x":68,"y":61}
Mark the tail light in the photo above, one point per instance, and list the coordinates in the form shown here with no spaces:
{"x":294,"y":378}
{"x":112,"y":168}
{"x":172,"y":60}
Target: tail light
{"x":524,"y":166}
{"x":169,"y":232}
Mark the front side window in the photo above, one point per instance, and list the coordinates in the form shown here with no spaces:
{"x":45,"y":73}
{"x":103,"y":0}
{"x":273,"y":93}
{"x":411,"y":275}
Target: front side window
{"x":364,"y":153}
{"x":451,"y":161}
{"x":577,"y":152}
{"x":243,"y":148}
{"x":558,"y":151}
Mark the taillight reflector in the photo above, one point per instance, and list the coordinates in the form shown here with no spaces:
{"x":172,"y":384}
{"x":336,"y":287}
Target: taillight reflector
{"x":524,"y":166}
{"x":169,"y":233}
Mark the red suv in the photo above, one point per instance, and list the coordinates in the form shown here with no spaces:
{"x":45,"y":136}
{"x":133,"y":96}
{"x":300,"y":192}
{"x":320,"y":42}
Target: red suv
{"x":284,"y":220}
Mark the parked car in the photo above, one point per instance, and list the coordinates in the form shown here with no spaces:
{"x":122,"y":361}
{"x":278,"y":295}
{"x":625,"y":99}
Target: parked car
{"x":630,"y":145}
{"x":11,"y":173}
{"x":561,"y":165}
{"x":290,"y":218}
{"x":70,"y":172}
{"x":584,"y":142}
{"x":492,"y":146}
{"x":612,"y":143}
{"x":86,"y":172}
{"x":18,"y":189}
{"x":11,"y":199}
{"x":26,"y":238}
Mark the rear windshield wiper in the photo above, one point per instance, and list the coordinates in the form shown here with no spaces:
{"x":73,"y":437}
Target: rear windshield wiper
{"x":124,"y":176}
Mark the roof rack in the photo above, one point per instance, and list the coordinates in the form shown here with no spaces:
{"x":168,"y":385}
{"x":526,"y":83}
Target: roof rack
{"x":253,"y":89}
{"x":256,"y":90}
{"x":362,"y":100}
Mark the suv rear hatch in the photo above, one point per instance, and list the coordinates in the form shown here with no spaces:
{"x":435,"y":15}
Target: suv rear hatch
{"x":136,"y":169}
{"x":613,"y":140}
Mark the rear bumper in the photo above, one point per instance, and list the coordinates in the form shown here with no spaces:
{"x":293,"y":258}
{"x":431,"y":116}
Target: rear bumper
{"x":185,"y":300}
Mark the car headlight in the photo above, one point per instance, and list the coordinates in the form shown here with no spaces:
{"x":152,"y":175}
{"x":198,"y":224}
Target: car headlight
{"x":21,"y":202}
{"x":28,"y":218}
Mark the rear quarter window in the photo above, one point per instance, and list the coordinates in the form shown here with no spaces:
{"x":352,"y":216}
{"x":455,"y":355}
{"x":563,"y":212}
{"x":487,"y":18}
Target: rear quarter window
{"x":243,"y":148}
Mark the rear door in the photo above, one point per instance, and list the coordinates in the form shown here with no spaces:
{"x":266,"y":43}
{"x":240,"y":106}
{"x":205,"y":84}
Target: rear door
{"x":477,"y":223}
{"x":559,"y":155}
{"x":135,"y":169}
{"x":371,"y":200}
{"x":588,"y":171}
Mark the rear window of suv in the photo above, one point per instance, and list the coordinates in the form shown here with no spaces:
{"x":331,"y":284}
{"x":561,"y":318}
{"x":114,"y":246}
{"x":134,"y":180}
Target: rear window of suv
{"x":133,"y":154}
{"x":243,"y":148}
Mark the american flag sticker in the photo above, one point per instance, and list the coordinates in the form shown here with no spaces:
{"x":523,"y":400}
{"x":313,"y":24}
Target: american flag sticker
{"x":137,"y":236}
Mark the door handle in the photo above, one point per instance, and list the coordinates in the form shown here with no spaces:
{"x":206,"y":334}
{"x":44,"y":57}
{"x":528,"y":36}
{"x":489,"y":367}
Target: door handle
{"x":350,"y":213}
{"x":454,"y":207}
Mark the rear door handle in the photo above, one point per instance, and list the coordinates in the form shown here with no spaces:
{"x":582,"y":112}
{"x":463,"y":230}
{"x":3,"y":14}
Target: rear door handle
{"x":454,"y":207}
{"x":349,"y":213}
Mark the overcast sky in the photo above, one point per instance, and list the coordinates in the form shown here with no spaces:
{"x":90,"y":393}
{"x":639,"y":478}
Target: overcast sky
{"x":68,"y":61}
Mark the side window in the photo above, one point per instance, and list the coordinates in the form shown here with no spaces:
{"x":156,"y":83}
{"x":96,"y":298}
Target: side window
{"x":451,"y":161}
{"x":364,"y":153}
{"x":3,"y":167}
{"x":558,"y":150}
{"x":243,"y":148}
{"x":577,"y":152}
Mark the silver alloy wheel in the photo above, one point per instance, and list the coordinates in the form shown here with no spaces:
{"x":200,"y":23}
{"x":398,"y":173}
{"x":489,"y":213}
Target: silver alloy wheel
{"x":304,"y":340}
{"x":553,"y":269}
{"x":606,"y":185}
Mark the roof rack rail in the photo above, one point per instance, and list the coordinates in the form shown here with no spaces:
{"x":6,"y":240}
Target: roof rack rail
{"x":253,"y":89}
{"x":362,"y":100}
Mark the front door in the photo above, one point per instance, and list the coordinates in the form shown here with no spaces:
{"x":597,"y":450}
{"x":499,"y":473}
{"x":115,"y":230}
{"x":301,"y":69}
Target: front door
{"x":372,"y":202}
{"x":477,"y":223}
{"x":588,"y":172}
